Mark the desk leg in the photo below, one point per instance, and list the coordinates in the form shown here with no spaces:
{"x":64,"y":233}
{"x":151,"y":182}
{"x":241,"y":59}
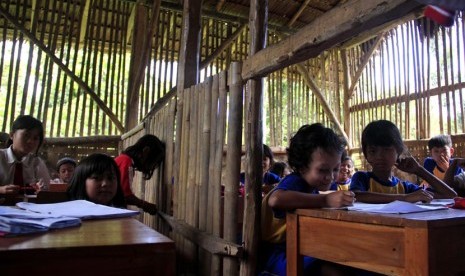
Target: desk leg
{"x":294,"y":259}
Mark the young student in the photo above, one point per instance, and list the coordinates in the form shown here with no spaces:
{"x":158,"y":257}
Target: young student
{"x":65,"y":169}
{"x":145,"y":156}
{"x":456,"y":181}
{"x":314,"y":154}
{"x":281,"y":169}
{"x":269,"y":178}
{"x":441,"y":150}
{"x":344,"y":178}
{"x":382,"y":145}
{"x":21,"y":170}
{"x":96,"y":179}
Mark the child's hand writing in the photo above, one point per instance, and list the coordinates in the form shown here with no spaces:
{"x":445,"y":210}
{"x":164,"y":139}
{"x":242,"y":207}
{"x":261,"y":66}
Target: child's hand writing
{"x":419,"y":195}
{"x":340,"y":199}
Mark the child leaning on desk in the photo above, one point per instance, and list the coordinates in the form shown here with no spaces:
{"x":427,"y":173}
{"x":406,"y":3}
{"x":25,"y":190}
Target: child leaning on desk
{"x":314,"y":154}
{"x":97,"y":179}
{"x":382,"y":146}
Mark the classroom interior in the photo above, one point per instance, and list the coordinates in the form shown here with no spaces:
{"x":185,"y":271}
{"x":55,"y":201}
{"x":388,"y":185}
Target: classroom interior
{"x":215,"y":79}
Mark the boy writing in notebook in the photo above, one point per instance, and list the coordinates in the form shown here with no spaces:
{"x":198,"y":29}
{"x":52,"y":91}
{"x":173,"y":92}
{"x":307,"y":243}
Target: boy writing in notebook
{"x":314,"y":154}
{"x":382,"y":146}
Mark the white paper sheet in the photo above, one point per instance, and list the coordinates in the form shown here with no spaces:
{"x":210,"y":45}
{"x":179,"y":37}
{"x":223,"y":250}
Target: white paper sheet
{"x":395,"y":207}
{"x":82,"y":209}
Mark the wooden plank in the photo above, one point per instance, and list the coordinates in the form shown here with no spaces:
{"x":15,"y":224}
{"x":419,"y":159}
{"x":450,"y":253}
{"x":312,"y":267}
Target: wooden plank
{"x":213,"y":244}
{"x":354,"y":17}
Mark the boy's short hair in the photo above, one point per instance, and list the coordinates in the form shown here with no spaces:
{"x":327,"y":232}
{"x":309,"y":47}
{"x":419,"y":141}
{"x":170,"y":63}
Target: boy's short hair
{"x":382,"y":133}
{"x":308,"y":139}
{"x":440,"y":141}
{"x":66,"y":160}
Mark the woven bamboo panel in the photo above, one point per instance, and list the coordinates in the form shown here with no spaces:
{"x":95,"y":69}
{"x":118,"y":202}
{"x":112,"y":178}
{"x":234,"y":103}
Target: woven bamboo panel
{"x":54,"y":149}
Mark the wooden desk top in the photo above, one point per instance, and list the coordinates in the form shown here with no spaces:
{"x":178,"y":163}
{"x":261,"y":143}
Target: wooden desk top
{"x":98,"y":247}
{"x":92,"y":233}
{"x":439,"y":218}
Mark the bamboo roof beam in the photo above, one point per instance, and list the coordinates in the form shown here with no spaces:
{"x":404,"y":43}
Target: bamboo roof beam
{"x":365,"y":60}
{"x":228,"y":17}
{"x":141,"y":45}
{"x":222,"y":47}
{"x":63,"y":67}
{"x":298,"y":13}
{"x":220,"y":4}
{"x":354,"y":17}
{"x":84,"y":20}
{"x":131,"y":20}
{"x":321,"y":99}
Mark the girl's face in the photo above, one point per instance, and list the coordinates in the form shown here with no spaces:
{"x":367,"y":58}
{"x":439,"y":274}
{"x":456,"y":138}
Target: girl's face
{"x":322,"y":170}
{"x":381,"y":158}
{"x":266,"y":163}
{"x":25,"y":141}
{"x":346,"y":170}
{"x":102,"y":188}
{"x":66,"y":172}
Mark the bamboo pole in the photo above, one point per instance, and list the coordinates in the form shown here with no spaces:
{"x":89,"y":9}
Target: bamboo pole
{"x":233,"y":163}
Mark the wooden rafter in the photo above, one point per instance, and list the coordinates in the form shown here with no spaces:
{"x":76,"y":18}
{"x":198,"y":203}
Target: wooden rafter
{"x":298,"y":13}
{"x":354,"y":17}
{"x":321,"y":99}
{"x":84,"y":20}
{"x":365,"y":60}
{"x":63,"y":67}
{"x":222,"y":47}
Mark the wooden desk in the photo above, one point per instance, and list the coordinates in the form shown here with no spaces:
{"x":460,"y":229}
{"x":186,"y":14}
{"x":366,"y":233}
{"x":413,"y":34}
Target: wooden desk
{"x":428,"y":243}
{"x":98,"y":247}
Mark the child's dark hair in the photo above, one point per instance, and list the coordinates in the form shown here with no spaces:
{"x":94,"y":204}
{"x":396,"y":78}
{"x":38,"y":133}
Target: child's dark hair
{"x":155,"y":158}
{"x":27,"y":122}
{"x":382,"y":133}
{"x":308,"y":139}
{"x":97,"y":163}
{"x":345,"y":156}
{"x":278,"y":168}
{"x":267,"y":152}
{"x":439,"y":141}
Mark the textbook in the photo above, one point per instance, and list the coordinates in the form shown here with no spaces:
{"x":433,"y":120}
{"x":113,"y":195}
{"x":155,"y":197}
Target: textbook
{"x":82,"y":209}
{"x":395,"y":207}
{"x":14,"y":221}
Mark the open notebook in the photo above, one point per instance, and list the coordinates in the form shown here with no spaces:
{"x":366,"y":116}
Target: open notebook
{"x":398,"y":207}
{"x":82,"y":209}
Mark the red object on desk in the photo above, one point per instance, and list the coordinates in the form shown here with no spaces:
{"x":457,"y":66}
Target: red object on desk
{"x":459,"y":203}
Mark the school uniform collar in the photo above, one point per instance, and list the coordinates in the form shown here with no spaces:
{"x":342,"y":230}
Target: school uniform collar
{"x":11,"y":158}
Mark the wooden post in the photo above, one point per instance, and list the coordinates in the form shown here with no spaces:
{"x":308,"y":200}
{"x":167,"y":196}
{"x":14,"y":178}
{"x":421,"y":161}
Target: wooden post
{"x":233,"y":162}
{"x":254,"y":142}
{"x":141,"y":45}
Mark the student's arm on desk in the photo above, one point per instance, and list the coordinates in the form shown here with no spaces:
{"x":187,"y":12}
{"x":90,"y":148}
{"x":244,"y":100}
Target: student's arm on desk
{"x":290,"y":200}
{"x":369,"y":197}
{"x":442,"y":190}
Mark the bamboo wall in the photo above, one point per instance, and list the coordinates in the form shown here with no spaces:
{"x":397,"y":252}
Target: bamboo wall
{"x":198,"y":182}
